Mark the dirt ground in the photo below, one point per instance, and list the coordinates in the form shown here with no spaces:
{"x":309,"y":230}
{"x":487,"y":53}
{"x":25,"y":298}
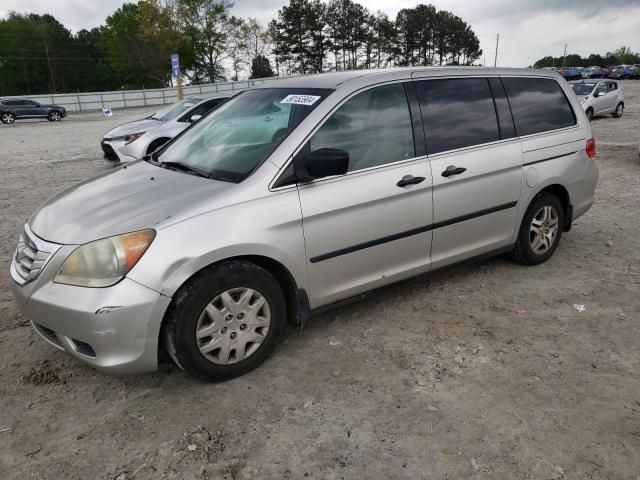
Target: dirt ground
{"x":482,"y":371}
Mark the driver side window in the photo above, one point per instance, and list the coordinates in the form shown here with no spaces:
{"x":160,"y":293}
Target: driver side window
{"x":602,"y":88}
{"x":374,"y":127}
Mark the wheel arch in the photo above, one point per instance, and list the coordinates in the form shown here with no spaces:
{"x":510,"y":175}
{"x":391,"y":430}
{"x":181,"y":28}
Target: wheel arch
{"x":295,"y":297}
{"x":562,"y":194}
{"x":148,"y":148}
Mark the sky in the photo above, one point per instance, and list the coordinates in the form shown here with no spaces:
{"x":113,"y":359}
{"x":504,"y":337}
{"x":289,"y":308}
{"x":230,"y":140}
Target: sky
{"x":529,"y":29}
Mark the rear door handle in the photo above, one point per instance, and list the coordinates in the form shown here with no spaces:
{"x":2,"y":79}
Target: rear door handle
{"x":453,"y":170}
{"x":409,"y":180}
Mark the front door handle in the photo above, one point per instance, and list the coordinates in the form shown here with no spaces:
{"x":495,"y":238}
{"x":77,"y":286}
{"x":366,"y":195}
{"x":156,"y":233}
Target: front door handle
{"x":409,"y":180}
{"x":453,"y":170}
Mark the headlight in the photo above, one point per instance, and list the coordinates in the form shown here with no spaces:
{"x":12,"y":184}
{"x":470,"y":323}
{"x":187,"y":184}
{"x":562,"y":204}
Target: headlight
{"x":104,"y":262}
{"x":132,"y":138}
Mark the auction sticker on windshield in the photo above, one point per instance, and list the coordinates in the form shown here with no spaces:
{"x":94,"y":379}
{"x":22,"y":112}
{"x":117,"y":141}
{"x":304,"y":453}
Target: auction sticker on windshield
{"x":300,"y":99}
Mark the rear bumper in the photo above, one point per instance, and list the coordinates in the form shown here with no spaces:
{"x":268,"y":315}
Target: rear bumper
{"x":113,"y":329}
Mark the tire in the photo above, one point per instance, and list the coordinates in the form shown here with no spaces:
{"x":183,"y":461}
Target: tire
{"x":156,"y":144}
{"x":189,"y":313}
{"x":54,"y":116}
{"x":527,"y":250}
{"x":618,"y":111}
{"x":589,"y":113}
{"x":8,"y":118}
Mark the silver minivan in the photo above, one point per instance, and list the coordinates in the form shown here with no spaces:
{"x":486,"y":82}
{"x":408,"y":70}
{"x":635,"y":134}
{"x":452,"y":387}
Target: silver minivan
{"x":291,"y":199}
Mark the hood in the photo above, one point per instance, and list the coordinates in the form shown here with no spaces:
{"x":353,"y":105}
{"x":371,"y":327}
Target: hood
{"x":142,"y":125}
{"x":123,"y":200}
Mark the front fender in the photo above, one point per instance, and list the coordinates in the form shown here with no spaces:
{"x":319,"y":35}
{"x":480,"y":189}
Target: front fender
{"x":270,"y":227}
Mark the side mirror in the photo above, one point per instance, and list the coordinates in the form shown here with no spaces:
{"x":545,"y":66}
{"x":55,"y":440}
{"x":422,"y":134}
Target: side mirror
{"x":195,"y":118}
{"x":325,"y":162}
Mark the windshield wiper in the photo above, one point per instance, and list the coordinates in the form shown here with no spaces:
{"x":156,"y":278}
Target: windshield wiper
{"x":185,"y":168}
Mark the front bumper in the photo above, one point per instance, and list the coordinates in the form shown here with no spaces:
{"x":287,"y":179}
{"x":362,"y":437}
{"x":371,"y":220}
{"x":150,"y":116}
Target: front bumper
{"x":113,"y":329}
{"x":117,"y":149}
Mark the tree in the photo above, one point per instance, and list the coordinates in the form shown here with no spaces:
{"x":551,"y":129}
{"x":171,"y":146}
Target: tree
{"x":261,"y":67}
{"x":208,"y":27}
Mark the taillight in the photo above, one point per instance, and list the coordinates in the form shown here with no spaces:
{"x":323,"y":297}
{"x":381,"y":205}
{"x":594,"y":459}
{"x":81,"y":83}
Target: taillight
{"x":591,"y":148}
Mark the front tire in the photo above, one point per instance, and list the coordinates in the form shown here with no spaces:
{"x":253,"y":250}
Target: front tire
{"x":618,"y":111}
{"x":589,"y":113}
{"x":225,"y":321}
{"x":8,"y":118}
{"x":54,"y":116}
{"x":540,"y":230}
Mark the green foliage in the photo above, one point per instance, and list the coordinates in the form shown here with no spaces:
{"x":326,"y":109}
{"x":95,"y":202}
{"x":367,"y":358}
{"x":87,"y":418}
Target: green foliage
{"x":261,"y":67}
{"x":622,"y":55}
{"x":132,"y":49}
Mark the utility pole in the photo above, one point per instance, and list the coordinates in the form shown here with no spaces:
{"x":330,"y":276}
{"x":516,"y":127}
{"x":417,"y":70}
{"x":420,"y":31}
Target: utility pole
{"x":564,"y":54}
{"x":495,"y":62}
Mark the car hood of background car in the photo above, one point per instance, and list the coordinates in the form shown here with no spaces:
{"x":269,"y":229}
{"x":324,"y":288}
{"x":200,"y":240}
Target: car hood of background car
{"x":123,"y":200}
{"x":142,"y":125}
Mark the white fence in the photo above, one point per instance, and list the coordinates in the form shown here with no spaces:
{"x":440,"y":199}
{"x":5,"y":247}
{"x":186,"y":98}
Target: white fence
{"x":80,"y":102}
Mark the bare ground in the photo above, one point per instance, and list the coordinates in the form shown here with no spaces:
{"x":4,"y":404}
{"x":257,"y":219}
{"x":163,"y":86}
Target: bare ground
{"x":482,"y":371}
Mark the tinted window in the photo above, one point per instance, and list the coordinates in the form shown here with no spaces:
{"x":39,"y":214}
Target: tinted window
{"x":538,"y":105}
{"x":374,"y":127}
{"x":505,"y":119}
{"x":457,"y":113}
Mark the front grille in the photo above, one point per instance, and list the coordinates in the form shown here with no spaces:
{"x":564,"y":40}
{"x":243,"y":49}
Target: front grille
{"x":108,"y":151}
{"x":32,"y":254}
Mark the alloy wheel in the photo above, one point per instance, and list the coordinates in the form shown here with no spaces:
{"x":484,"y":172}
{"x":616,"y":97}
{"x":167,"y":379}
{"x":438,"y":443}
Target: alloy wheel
{"x":233,"y":326}
{"x":8,"y":118}
{"x":55,"y":116}
{"x":543,"y":230}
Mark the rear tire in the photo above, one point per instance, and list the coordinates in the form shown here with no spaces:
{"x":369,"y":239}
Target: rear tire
{"x":213,"y":333}
{"x":540,"y":230}
{"x":8,"y":118}
{"x":618,"y":111}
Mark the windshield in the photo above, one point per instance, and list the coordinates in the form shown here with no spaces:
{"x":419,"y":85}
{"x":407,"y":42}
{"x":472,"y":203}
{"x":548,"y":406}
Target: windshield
{"x":172,"y":111}
{"x":581,"y":89}
{"x":231,"y":142}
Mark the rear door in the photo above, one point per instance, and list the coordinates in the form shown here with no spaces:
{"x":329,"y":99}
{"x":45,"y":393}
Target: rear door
{"x":476,"y":161}
{"x":371,"y":226}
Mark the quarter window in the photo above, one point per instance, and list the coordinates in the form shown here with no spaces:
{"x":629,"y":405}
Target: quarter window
{"x":538,"y":105}
{"x":457,"y":113}
{"x":374,"y":127}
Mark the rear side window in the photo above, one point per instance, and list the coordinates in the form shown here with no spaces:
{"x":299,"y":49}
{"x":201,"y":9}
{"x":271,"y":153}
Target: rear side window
{"x":457,"y":113}
{"x":538,"y":105}
{"x":374,"y":127}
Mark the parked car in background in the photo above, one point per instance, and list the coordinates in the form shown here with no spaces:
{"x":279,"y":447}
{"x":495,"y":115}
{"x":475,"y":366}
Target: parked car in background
{"x":602,"y":97}
{"x":12,"y":109}
{"x":621,"y":72}
{"x":599,"y":73}
{"x":136,"y":139}
{"x":570,"y":73}
{"x":286,"y":200}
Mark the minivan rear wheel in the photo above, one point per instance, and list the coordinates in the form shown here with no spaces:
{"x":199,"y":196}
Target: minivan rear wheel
{"x":540,"y":230}
{"x":224,"y":322}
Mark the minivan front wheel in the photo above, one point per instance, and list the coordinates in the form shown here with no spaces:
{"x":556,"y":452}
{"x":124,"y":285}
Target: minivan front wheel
{"x":618,"y":111}
{"x":540,"y":230}
{"x":224,"y":322}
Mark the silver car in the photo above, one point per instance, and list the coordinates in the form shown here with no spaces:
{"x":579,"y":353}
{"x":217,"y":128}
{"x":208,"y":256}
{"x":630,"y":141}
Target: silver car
{"x":600,"y":97}
{"x":134,"y":140}
{"x":285,"y":201}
